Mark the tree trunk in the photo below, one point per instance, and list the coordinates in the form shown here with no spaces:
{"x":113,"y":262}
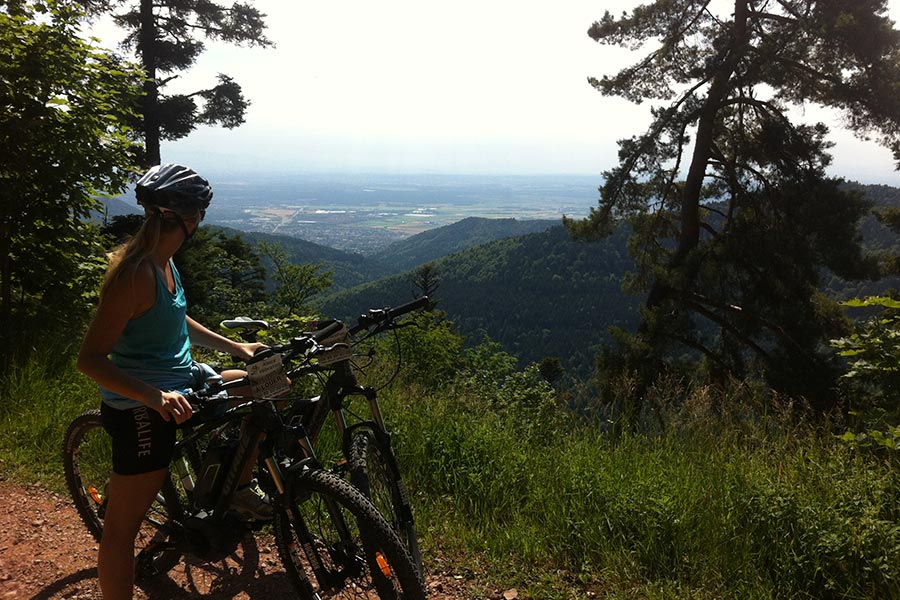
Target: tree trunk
{"x":6,"y":330}
{"x":689,"y":234}
{"x":150,"y":100}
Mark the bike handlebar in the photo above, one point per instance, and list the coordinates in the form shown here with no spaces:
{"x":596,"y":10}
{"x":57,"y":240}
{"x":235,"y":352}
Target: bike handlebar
{"x":327,"y":331}
{"x":213,"y":393}
{"x":386,"y":315}
{"x":311,"y":340}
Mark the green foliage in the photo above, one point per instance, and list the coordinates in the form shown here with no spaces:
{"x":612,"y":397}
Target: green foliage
{"x":38,"y":399}
{"x":875,"y":439}
{"x":842,"y":545}
{"x":425,"y":281}
{"x":730,"y":257}
{"x":551,"y":370}
{"x":430,"y":349}
{"x":721,"y":505}
{"x":295,"y":284}
{"x":222,"y":277}
{"x":872,"y":380}
{"x":63,"y":109}
{"x":537,"y":295}
{"x":873,"y":352}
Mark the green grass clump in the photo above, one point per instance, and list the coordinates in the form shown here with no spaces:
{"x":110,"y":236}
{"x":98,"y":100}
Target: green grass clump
{"x":37,"y":403}
{"x":755,"y":508}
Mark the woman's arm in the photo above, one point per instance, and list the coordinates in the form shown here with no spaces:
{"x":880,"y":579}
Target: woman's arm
{"x":131,"y":295}
{"x":202,"y":336}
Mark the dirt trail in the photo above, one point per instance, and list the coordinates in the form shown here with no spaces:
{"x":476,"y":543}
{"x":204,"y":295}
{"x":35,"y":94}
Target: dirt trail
{"x":46,"y":552}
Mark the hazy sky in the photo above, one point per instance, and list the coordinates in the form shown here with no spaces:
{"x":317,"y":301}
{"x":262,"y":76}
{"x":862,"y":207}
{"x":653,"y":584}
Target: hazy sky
{"x":472,"y":86}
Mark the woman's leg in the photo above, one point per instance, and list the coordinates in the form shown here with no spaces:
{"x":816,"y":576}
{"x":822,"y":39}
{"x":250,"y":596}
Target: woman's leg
{"x":130,"y":497}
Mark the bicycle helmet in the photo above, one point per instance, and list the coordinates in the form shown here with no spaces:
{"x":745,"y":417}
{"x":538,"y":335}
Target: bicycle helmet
{"x":175,"y":187}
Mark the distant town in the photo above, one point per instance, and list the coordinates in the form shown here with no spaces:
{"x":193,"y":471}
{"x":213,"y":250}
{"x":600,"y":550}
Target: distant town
{"x":364,"y":213}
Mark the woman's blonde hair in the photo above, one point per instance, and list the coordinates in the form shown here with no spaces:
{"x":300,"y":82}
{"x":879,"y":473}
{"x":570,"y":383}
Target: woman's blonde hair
{"x":134,"y":251}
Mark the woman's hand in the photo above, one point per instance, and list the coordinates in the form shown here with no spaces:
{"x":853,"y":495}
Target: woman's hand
{"x":173,"y":405}
{"x":247,"y":350}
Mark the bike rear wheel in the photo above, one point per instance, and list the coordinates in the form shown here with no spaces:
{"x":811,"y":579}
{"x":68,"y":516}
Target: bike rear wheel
{"x":334,"y":543}
{"x":87,"y":461}
{"x":375,"y":472}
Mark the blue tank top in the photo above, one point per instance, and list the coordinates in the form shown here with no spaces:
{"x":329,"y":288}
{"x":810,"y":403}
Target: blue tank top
{"x":155,"y":347}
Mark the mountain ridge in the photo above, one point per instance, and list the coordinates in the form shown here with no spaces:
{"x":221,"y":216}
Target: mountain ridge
{"x":539,"y":295}
{"x":441,"y":241}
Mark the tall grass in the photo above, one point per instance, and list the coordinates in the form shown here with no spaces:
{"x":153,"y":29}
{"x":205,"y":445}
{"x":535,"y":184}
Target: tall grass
{"x":712,"y":507}
{"x":37,"y":402}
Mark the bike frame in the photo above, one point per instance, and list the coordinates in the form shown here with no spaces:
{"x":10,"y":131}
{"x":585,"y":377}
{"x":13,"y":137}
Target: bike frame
{"x":260,"y":420}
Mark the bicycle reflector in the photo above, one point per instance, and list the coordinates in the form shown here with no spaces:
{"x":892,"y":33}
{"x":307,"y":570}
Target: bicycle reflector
{"x":95,"y":495}
{"x":383,"y":564}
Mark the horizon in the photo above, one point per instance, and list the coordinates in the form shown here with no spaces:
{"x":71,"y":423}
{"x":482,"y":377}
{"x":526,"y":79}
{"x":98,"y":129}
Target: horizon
{"x":362,"y":212}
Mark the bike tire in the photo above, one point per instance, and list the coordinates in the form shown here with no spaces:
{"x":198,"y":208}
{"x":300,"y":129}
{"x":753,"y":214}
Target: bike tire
{"x":375,"y":472}
{"x":333,"y":542}
{"x":87,"y":462}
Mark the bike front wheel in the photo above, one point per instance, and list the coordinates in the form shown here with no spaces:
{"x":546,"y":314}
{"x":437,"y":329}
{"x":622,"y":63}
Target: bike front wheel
{"x":375,"y":472}
{"x":333,"y":542}
{"x":87,"y":461}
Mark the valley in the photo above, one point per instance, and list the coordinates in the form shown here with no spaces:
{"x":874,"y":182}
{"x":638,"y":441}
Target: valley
{"x":366,"y":213}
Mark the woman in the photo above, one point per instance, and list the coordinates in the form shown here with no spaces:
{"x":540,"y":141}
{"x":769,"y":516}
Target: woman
{"x":138,"y":349}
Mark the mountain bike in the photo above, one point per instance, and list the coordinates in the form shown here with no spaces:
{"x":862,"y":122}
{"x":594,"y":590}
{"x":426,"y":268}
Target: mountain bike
{"x":369,"y":458}
{"x":331,"y":539}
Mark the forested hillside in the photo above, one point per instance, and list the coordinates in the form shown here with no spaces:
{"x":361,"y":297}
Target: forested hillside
{"x":442,"y":241}
{"x":875,"y":234}
{"x":348,"y":269}
{"x":543,"y":294}
{"x":877,"y":238}
{"x":539,"y":295}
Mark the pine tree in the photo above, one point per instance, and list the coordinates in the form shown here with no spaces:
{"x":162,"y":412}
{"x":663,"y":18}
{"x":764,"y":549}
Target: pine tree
{"x":166,"y":34}
{"x":295,"y":284}
{"x":425,"y":280}
{"x":733,"y":213}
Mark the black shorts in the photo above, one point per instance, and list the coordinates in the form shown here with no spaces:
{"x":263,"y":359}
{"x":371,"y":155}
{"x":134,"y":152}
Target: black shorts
{"x":142,"y":441}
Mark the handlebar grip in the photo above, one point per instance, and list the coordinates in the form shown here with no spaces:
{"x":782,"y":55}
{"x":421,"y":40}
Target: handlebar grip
{"x":386,"y":316}
{"x":261,"y":354}
{"x":408,"y":307}
{"x":328,"y":331}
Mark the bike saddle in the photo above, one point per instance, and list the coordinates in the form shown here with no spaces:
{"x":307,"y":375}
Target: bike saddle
{"x":244,"y":323}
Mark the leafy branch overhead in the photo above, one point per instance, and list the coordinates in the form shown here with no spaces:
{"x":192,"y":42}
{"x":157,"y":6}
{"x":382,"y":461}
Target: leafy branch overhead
{"x":734,"y":217}
{"x":168,"y":37}
{"x":64,"y":106}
